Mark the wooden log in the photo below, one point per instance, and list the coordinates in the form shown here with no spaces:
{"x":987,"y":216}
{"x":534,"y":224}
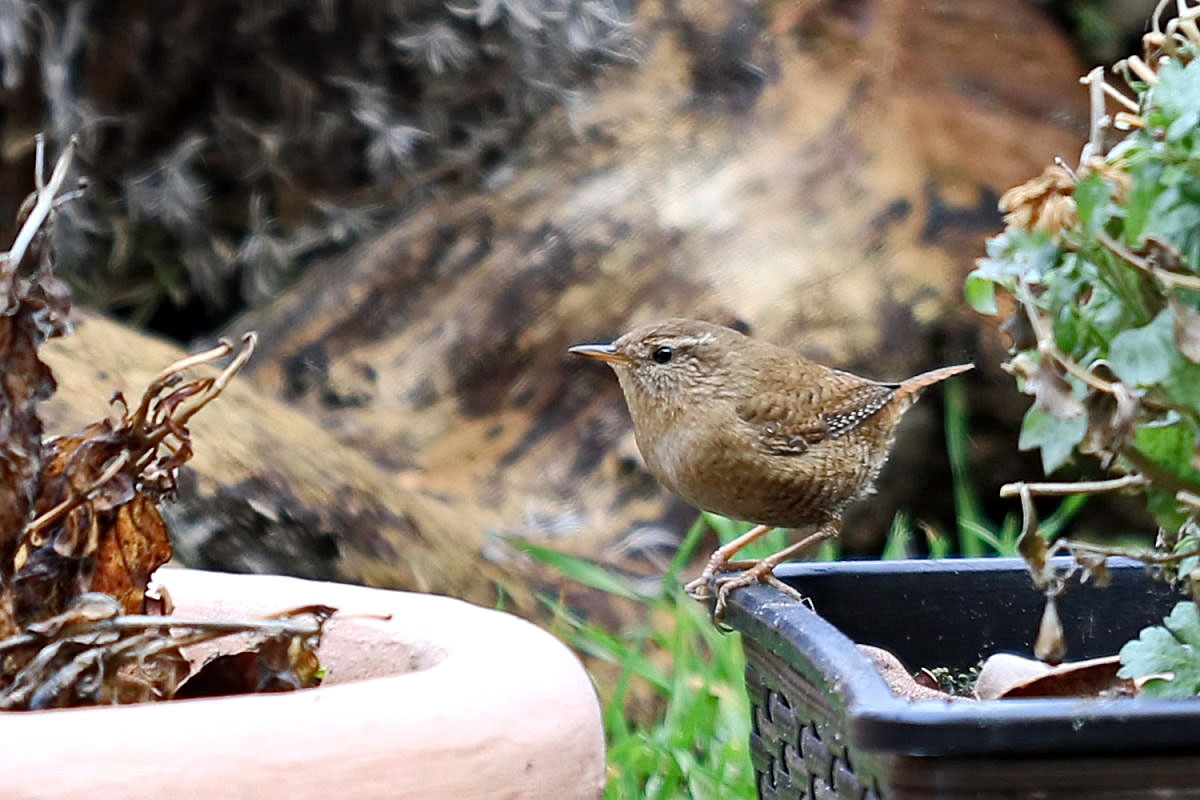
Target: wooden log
{"x":268,"y":489}
{"x":821,"y":173}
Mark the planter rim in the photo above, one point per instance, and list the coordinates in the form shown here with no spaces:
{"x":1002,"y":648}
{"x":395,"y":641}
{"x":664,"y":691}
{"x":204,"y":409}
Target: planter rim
{"x":881,"y":721}
{"x":419,"y":702}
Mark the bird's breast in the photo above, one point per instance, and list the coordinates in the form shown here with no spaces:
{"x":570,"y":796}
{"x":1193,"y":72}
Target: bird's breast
{"x":700,"y":461}
{"x":717,"y":468}
{"x":668,"y":449}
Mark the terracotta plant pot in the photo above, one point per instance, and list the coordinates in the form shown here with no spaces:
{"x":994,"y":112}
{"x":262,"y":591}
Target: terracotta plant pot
{"x":442,"y":700}
{"x":827,"y":725}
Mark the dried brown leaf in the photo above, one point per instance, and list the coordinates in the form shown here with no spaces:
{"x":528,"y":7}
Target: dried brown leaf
{"x":97,"y":526}
{"x":1008,"y":676}
{"x":150,"y":678}
{"x":1186,"y":329}
{"x":280,"y":663}
{"x":34,"y":305}
{"x":130,"y":549}
{"x":1162,"y":254}
{"x":1031,"y":545}
{"x":1052,"y":392}
{"x":80,"y":530}
{"x":86,"y":609}
{"x":1051,"y":644}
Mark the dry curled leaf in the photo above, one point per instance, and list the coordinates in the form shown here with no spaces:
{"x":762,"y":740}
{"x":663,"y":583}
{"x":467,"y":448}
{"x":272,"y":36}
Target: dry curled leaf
{"x":281,"y":662}
{"x":1051,"y":644}
{"x":80,"y":529}
{"x":130,"y":550}
{"x":1186,"y":328}
{"x":34,"y":305}
{"x":1005,"y":675}
{"x":1053,"y":393}
{"x":98,"y":527}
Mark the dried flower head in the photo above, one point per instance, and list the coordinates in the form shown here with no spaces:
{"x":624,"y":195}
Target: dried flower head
{"x":1042,"y":203}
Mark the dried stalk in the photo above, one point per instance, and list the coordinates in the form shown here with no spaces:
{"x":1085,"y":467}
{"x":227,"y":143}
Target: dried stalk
{"x":1065,"y":489}
{"x":47,"y":191}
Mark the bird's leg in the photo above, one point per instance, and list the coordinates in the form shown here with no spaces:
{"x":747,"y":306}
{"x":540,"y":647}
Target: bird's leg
{"x":719,"y":560}
{"x":763,"y":570}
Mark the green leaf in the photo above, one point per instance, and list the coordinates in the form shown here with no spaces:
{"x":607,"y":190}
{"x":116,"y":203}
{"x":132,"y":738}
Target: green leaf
{"x":1142,"y":356}
{"x":1147,"y":175}
{"x":1171,"y":446}
{"x":1018,"y":253}
{"x":1170,"y":652}
{"x":1183,"y":384}
{"x":1176,"y":98}
{"x":1104,"y":312}
{"x":1187,"y":541}
{"x":1175,"y":217}
{"x":581,"y":570}
{"x":1093,"y":204}
{"x":1165,"y":508}
{"x":980,"y":292}
{"x":1056,"y":437}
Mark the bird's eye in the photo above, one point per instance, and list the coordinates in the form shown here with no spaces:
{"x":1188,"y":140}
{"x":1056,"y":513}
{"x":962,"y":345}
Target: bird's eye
{"x":662,"y":355}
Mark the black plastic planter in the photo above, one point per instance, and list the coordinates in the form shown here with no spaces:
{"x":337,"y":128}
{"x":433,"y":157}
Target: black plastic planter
{"x":827,"y":726}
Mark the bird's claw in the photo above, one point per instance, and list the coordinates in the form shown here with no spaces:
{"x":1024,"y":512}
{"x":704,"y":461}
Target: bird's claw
{"x":726,"y":584}
{"x":762,"y":572}
{"x":698,"y":589}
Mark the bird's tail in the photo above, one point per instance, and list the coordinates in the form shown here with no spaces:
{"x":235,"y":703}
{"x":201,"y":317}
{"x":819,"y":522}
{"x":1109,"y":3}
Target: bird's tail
{"x":915,"y":384}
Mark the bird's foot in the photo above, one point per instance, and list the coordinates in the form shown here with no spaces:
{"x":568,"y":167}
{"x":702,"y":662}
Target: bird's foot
{"x":758,"y":572}
{"x":698,"y":589}
{"x":701,"y":587}
{"x":763,"y":571}
{"x":753,"y":572}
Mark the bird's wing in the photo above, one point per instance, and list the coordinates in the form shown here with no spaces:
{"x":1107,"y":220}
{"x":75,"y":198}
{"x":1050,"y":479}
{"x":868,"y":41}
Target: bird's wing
{"x":790,"y":423}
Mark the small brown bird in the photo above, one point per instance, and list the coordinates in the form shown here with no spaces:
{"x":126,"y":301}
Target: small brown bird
{"x":755,"y":432}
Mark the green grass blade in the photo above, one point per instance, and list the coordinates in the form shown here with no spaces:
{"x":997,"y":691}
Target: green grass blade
{"x":581,"y":570}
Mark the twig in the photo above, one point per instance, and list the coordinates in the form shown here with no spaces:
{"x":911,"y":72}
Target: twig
{"x":55,"y":513}
{"x":1167,"y":277}
{"x":1094,"y":80}
{"x":249,"y":341}
{"x":200,"y":627}
{"x":1063,"y":489}
{"x":133,"y":622}
{"x":1142,"y":70}
{"x":1188,"y":498}
{"x":46,"y":191}
{"x":1047,"y":347}
{"x":1145,"y":556}
{"x":171,"y":375}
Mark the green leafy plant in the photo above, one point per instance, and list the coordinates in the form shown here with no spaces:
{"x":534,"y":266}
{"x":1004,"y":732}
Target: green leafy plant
{"x":1100,"y":268}
{"x":1164,"y":656}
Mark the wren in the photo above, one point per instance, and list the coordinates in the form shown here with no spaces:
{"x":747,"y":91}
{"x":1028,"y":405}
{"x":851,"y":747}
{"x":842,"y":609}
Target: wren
{"x":755,"y":432}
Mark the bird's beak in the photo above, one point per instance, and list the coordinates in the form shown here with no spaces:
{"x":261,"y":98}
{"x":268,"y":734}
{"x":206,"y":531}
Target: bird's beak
{"x":603,"y":352}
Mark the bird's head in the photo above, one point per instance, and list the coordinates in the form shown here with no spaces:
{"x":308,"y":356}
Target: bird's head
{"x":666,"y":366}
